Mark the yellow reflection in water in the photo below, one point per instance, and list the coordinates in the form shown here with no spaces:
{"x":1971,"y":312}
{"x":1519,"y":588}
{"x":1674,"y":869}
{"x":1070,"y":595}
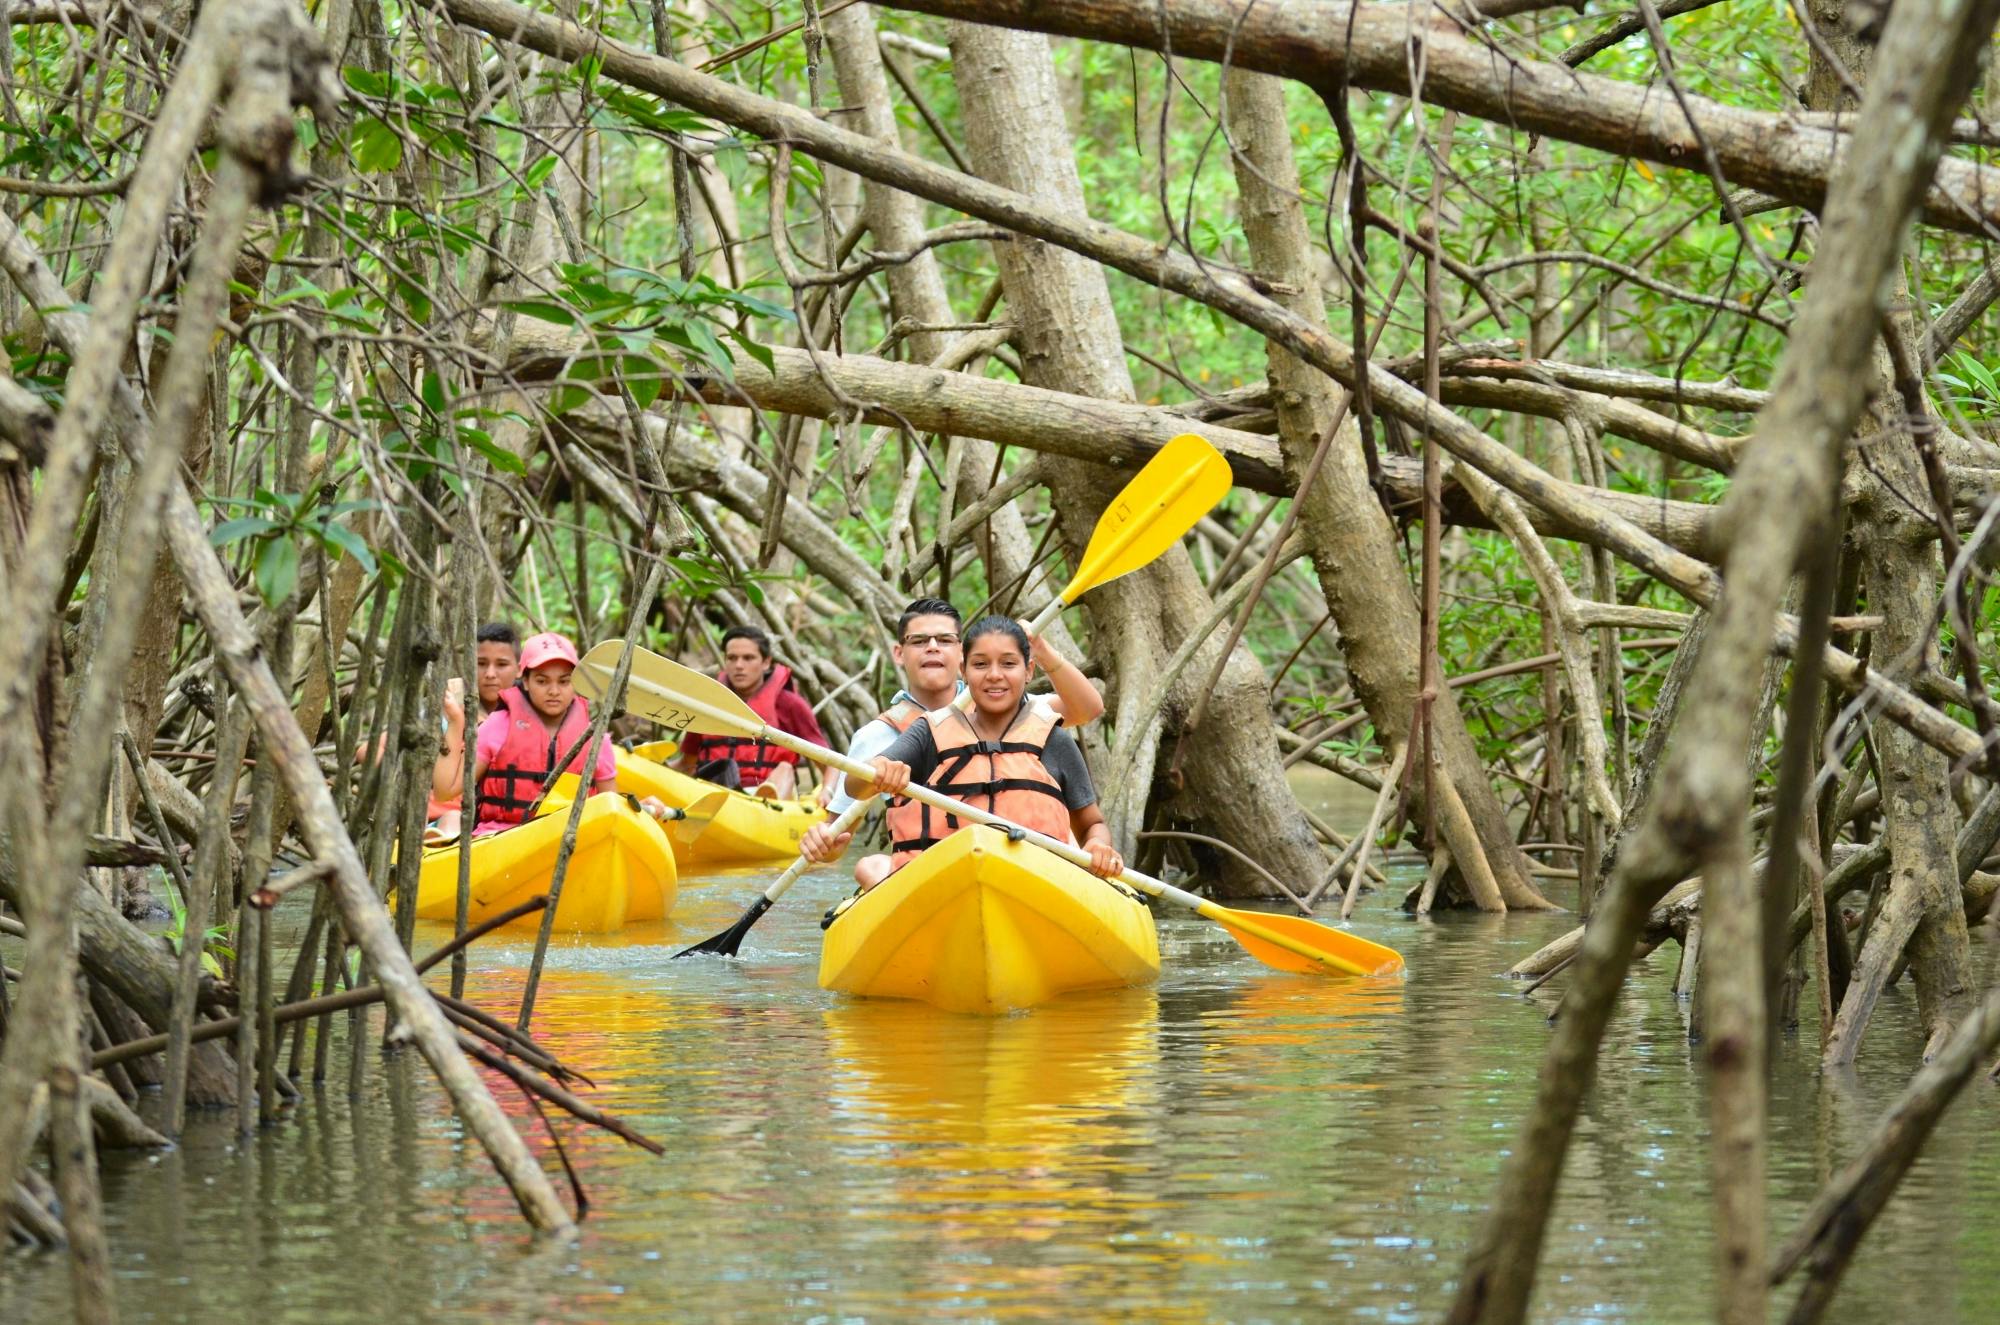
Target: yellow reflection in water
{"x":996,"y":1134}
{"x":1277,"y":1018}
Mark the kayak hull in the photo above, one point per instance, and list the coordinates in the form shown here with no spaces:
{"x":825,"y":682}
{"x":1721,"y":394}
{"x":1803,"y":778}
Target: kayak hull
{"x":622,"y":872}
{"x":747,"y":830}
{"x":982,"y":925}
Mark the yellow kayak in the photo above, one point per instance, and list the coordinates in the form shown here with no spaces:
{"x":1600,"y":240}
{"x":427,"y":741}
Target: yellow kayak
{"x":984,"y":925}
{"x":746,"y":830}
{"x":622,"y":871}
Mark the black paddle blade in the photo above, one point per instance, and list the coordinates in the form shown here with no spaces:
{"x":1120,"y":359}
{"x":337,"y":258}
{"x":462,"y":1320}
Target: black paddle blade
{"x":729,"y":940}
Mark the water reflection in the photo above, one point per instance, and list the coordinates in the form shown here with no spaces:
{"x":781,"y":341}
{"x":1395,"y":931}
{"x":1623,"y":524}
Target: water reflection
{"x":1233,"y":1144}
{"x":1009,"y":1144}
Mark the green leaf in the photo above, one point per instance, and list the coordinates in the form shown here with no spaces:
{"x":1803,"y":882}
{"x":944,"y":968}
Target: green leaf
{"x":378,"y":149}
{"x":418,"y":300}
{"x":645,"y":385}
{"x":756,"y":350}
{"x":345,"y":539}
{"x":249,"y":526}
{"x":543,"y":310}
{"x":539,"y":172}
{"x":277,"y":570}
{"x":368,"y":82}
{"x":495,"y":453}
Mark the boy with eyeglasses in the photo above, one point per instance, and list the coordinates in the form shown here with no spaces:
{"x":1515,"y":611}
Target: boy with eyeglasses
{"x":931,"y":656}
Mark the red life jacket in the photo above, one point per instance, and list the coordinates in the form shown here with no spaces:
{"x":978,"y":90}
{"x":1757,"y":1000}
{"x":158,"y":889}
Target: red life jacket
{"x":754,"y":759}
{"x":1004,"y":777}
{"x":514,"y":777}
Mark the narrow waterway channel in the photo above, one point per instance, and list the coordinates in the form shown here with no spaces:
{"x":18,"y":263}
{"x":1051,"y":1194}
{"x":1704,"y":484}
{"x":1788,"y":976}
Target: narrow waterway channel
{"x":1235,"y":1144}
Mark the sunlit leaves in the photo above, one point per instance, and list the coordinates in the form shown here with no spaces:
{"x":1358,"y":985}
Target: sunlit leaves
{"x":376,"y":148}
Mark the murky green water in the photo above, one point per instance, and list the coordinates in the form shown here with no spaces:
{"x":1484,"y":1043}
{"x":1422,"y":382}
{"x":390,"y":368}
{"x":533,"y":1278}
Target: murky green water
{"x":1233,"y":1145}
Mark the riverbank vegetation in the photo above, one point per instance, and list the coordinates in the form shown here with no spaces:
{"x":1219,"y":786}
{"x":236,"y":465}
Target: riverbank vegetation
{"x":1607,"y":393}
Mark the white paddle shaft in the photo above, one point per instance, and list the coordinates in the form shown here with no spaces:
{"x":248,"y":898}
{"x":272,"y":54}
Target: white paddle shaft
{"x":1046,"y":617}
{"x":849,"y":817}
{"x":923,"y":795}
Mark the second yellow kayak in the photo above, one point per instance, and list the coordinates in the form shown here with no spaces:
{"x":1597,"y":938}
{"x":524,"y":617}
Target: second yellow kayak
{"x":746,"y":830}
{"x":622,"y":871}
{"x":983,"y":925}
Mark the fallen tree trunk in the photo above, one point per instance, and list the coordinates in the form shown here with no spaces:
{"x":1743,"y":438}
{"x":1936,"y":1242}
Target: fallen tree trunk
{"x":1420,"y":50}
{"x":1116,"y":433}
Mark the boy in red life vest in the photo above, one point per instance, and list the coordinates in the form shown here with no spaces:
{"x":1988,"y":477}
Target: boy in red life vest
{"x":766,"y":686}
{"x":928,"y":651}
{"x":1002,"y":753}
{"x":535,"y":722}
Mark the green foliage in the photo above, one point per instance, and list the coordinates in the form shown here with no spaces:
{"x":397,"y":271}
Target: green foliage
{"x":1972,"y":388}
{"x":288,"y":521}
{"x":213,"y":949}
{"x":643,"y":325}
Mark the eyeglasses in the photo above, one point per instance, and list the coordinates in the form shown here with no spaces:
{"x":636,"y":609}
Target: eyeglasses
{"x":919,"y":641}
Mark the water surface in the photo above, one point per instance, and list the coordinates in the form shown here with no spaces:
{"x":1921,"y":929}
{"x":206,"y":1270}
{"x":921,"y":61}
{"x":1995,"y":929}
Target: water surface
{"x":1234,"y":1144}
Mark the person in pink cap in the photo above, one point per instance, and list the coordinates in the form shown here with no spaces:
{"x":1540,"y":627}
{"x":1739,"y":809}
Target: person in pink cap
{"x":536,"y":721}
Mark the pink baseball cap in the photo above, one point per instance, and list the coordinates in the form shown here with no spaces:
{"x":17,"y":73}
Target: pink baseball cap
{"x":546,"y":648}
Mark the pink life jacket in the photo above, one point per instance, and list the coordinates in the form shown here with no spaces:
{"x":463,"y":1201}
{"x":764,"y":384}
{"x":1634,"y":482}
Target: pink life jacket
{"x":514,"y":777}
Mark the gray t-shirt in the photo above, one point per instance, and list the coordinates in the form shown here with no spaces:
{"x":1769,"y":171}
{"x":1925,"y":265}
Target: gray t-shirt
{"x":873,"y":738}
{"x":917,"y":747}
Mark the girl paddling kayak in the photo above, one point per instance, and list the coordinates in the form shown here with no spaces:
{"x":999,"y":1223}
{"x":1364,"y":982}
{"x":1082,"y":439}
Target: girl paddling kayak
{"x":1004,"y":754}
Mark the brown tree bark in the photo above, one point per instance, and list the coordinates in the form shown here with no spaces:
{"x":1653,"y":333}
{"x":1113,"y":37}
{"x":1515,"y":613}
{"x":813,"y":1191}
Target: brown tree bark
{"x":1234,"y":786}
{"x":1921,"y":913}
{"x":1352,"y":544}
{"x":1920,"y":910}
{"x":1698,"y":815}
{"x":917,"y":294}
{"x":214,"y":597}
{"x":1374,"y":47}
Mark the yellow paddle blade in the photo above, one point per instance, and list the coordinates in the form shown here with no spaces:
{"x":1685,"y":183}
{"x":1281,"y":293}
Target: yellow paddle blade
{"x":672,"y":695}
{"x":696,"y":816}
{"x":559,"y":797}
{"x":1329,"y":948}
{"x":1178,"y":486}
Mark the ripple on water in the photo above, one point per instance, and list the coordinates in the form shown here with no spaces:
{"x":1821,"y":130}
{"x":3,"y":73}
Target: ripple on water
{"x":1233,"y":1144}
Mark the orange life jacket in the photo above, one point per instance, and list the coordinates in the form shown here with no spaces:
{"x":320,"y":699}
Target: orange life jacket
{"x":514,"y":777}
{"x":902,"y":715}
{"x":1004,"y":777}
{"x":754,"y":759}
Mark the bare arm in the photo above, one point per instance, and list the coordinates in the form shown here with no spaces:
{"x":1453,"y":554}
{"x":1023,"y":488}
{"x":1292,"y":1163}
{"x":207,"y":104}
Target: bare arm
{"x":1076,"y":698}
{"x":447,"y":775}
{"x":1095,"y":835}
{"x":478,"y":774}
